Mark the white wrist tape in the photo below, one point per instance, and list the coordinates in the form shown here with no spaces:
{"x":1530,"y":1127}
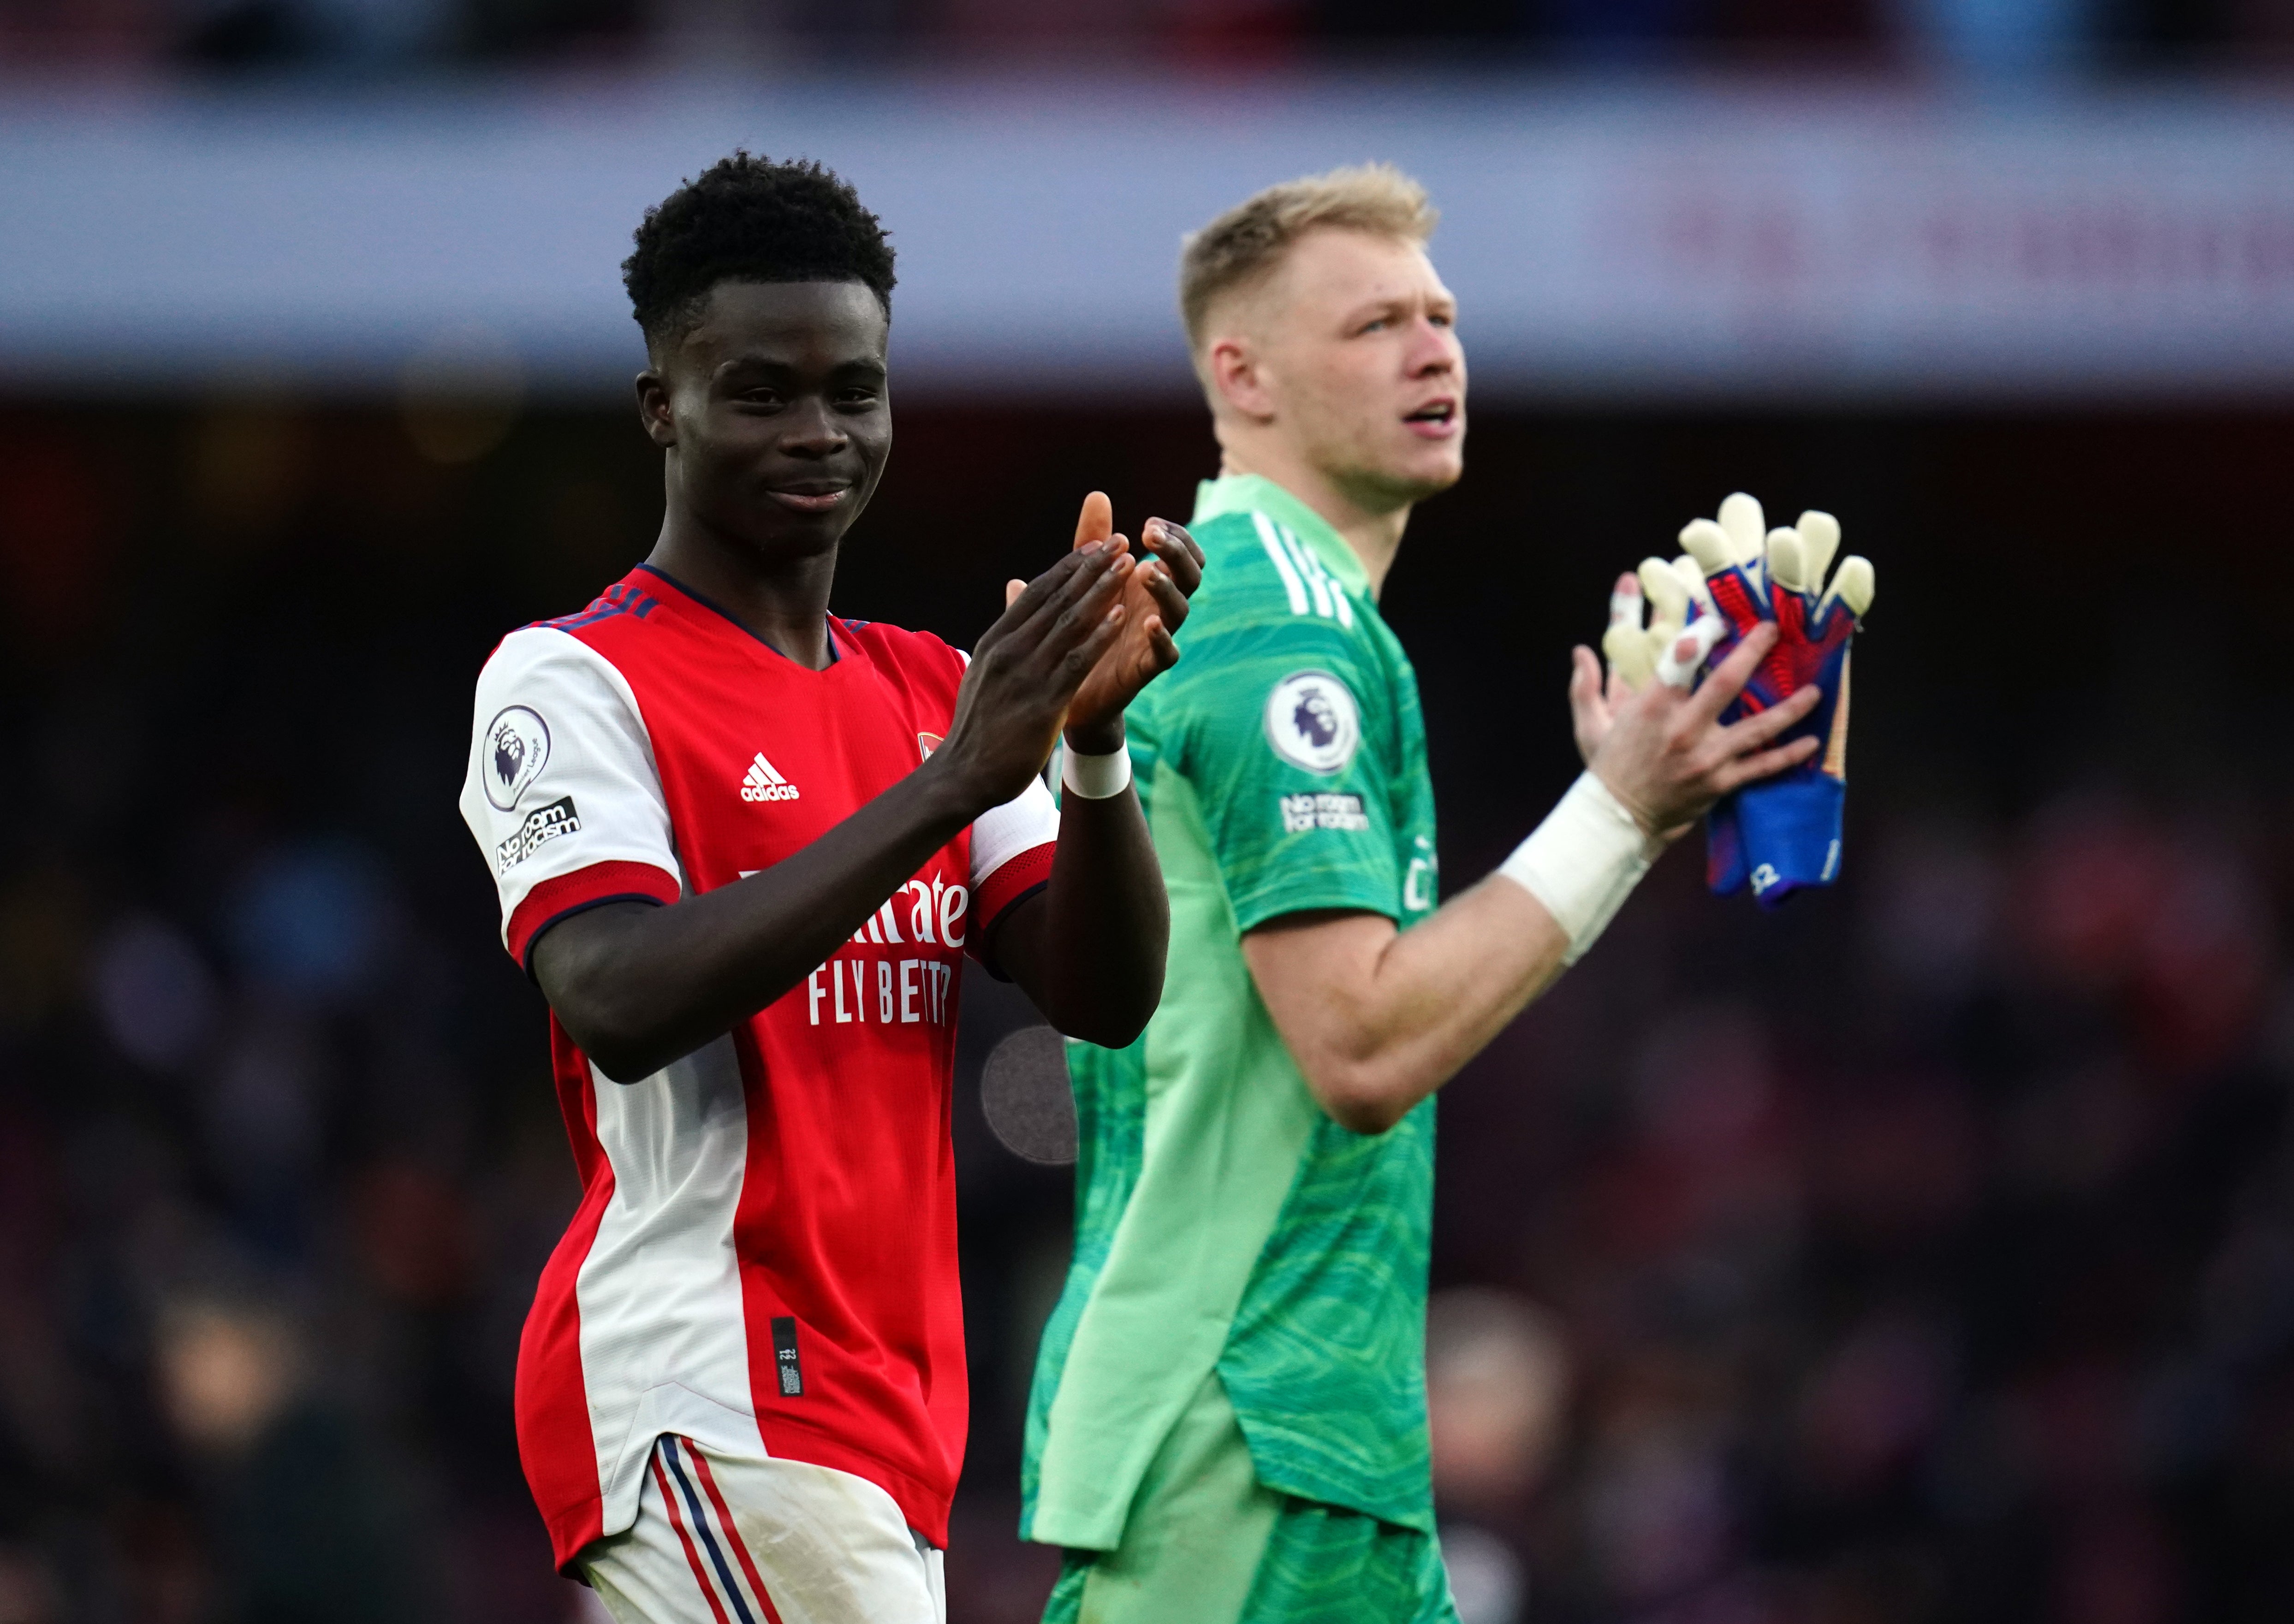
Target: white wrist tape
{"x":1096,"y":777}
{"x":1583,"y":862}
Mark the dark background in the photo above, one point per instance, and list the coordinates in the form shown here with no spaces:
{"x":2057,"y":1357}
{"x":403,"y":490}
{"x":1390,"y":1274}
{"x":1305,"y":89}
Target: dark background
{"x":358,"y":37}
{"x":1923,"y":1252}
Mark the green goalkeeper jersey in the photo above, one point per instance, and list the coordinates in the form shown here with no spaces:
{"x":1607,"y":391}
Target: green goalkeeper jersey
{"x":1223,"y":1223}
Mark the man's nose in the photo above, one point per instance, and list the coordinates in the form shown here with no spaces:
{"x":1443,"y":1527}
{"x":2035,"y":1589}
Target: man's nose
{"x":1433,"y":348}
{"x":811,"y":430}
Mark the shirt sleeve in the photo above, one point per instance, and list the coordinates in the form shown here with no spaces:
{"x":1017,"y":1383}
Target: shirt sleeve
{"x":561,"y":792}
{"x":1292,"y":762}
{"x":1011,"y":849}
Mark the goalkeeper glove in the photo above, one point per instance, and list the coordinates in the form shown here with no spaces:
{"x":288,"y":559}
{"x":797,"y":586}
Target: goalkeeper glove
{"x":1783,"y":833}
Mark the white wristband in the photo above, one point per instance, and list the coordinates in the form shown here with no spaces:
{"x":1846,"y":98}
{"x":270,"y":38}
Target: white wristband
{"x":1583,"y":862}
{"x":1096,"y":777}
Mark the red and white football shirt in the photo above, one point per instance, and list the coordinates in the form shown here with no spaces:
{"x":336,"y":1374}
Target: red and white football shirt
{"x":765,"y":1251}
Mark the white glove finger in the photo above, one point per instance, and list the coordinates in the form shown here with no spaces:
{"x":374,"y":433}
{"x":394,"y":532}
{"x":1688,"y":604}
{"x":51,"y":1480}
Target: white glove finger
{"x":1746,"y":528}
{"x":1692,"y":577}
{"x":1787,"y":560}
{"x":1709,"y":544}
{"x":1853,"y":584}
{"x":1626,"y":648}
{"x":1668,"y":598}
{"x":1819,"y":537}
{"x":1685,"y":655}
{"x":1625,"y":644}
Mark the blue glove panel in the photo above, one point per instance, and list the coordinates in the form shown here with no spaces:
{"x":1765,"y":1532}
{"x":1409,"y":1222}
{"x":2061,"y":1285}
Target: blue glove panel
{"x":1726,"y":866}
{"x":1790,"y":827}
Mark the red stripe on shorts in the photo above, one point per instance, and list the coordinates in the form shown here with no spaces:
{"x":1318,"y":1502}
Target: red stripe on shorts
{"x":692,"y":1556}
{"x":725,"y":1519}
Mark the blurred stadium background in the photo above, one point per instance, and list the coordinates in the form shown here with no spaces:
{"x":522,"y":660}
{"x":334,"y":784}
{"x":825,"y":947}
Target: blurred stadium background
{"x":1925,"y":1252}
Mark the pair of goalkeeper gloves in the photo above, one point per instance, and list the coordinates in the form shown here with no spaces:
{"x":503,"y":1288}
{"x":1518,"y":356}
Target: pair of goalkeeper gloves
{"x":1781,"y":835}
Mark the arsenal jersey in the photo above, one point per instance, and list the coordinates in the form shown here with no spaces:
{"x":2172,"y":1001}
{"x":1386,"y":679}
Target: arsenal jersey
{"x":765,"y":1249}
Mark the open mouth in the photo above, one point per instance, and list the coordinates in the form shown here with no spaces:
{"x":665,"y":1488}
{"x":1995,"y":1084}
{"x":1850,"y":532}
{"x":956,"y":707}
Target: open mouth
{"x":1434,"y":417}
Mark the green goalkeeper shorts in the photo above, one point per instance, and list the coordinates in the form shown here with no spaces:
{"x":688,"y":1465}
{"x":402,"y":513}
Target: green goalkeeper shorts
{"x":1207,"y":1543}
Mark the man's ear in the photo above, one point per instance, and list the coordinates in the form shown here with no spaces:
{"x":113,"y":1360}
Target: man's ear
{"x":653,"y":409}
{"x":1238,"y":378}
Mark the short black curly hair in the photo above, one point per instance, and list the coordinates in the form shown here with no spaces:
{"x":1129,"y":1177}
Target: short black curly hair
{"x":748,"y":219}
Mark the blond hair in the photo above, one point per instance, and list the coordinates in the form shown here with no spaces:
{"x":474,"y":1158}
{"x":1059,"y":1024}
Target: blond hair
{"x":1245,"y":245}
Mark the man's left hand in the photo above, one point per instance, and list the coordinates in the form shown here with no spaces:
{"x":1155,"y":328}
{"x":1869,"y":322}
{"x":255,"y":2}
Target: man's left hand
{"x":1154,"y":607}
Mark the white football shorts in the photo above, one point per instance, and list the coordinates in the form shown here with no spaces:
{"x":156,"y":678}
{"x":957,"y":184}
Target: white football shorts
{"x":726,"y":1540}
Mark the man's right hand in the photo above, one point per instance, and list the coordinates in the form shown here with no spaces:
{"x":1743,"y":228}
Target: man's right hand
{"x":1026,"y":671}
{"x":1662,"y":752}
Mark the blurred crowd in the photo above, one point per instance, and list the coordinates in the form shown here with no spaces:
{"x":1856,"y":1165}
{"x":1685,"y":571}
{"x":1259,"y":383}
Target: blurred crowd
{"x":336,"y":37}
{"x":1930,"y":1256}
{"x":1922,"y":1253}
{"x":263,"y":1254}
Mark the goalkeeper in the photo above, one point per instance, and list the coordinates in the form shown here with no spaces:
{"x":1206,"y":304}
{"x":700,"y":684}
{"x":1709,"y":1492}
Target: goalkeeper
{"x":1228,"y":1420}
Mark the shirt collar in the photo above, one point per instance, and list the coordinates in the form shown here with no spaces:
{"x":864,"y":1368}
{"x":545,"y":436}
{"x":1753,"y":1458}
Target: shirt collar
{"x":1249,"y":493}
{"x":731,"y":622}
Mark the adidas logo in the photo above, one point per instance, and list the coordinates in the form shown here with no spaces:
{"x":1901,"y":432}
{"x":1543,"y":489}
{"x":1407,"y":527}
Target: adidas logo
{"x":764,"y":784}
